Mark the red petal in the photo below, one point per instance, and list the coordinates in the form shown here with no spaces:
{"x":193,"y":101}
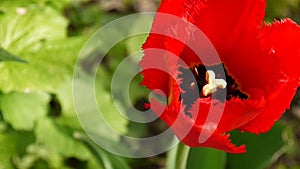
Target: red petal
{"x":261,"y":58}
{"x":189,"y":132}
{"x":223,"y":27}
{"x":277,"y":103}
{"x":281,"y":40}
{"x":161,"y":52}
{"x":228,"y":116}
{"x":218,"y":17}
{"x":264,"y":62}
{"x":171,"y":111}
{"x":222,"y":142}
{"x":159,"y":70}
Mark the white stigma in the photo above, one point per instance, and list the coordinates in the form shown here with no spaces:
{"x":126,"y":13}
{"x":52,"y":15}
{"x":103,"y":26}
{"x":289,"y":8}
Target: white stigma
{"x":213,"y":83}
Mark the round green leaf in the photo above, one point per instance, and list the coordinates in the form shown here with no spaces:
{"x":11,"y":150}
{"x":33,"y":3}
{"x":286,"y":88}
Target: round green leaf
{"x":22,"y":110}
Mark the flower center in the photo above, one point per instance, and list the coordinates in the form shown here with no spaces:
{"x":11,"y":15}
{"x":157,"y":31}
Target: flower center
{"x":212,"y":83}
{"x":205,"y":81}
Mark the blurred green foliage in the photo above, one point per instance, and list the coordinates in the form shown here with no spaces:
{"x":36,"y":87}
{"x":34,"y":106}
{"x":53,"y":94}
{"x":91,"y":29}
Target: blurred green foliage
{"x":39,"y":129}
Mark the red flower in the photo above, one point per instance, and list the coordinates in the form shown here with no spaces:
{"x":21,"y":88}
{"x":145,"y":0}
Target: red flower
{"x":256,"y":77}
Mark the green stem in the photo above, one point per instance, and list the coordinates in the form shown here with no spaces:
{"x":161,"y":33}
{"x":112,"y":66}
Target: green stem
{"x":182,"y":156}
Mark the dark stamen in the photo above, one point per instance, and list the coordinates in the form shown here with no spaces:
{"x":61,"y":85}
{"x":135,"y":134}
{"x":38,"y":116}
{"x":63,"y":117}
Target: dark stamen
{"x":192,"y":93}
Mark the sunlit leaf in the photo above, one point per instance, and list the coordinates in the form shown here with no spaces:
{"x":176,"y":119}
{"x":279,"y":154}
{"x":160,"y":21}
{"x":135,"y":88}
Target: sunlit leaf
{"x":38,"y":35}
{"x":26,"y":28}
{"x":22,"y":110}
{"x":46,"y":69}
{"x":60,"y":139}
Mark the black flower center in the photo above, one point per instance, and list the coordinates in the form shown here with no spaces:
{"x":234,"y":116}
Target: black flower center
{"x":194,"y":79}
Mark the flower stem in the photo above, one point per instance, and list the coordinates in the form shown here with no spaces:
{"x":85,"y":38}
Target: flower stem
{"x":182,"y":156}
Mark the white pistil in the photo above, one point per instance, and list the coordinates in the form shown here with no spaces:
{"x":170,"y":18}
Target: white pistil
{"x":192,"y":85}
{"x":196,"y":71}
{"x":213,"y":83}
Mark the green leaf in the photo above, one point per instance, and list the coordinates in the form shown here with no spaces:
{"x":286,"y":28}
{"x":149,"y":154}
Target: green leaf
{"x":28,"y":27}
{"x":36,"y":34}
{"x":105,"y":159}
{"x":65,"y":97}
{"x":8,"y":4}
{"x":6,"y":56}
{"x":141,"y":24}
{"x":93,"y":164}
{"x":48,"y":67}
{"x":57,"y":4}
{"x":260,"y":149}
{"x":22,"y":110}
{"x":106,"y":127}
{"x":104,"y":100}
{"x":59,"y":139}
{"x":26,"y":3}
{"x":37,"y":156}
{"x":108,"y":109}
{"x":206,"y":158}
{"x":13,"y":144}
{"x":280,"y":8}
